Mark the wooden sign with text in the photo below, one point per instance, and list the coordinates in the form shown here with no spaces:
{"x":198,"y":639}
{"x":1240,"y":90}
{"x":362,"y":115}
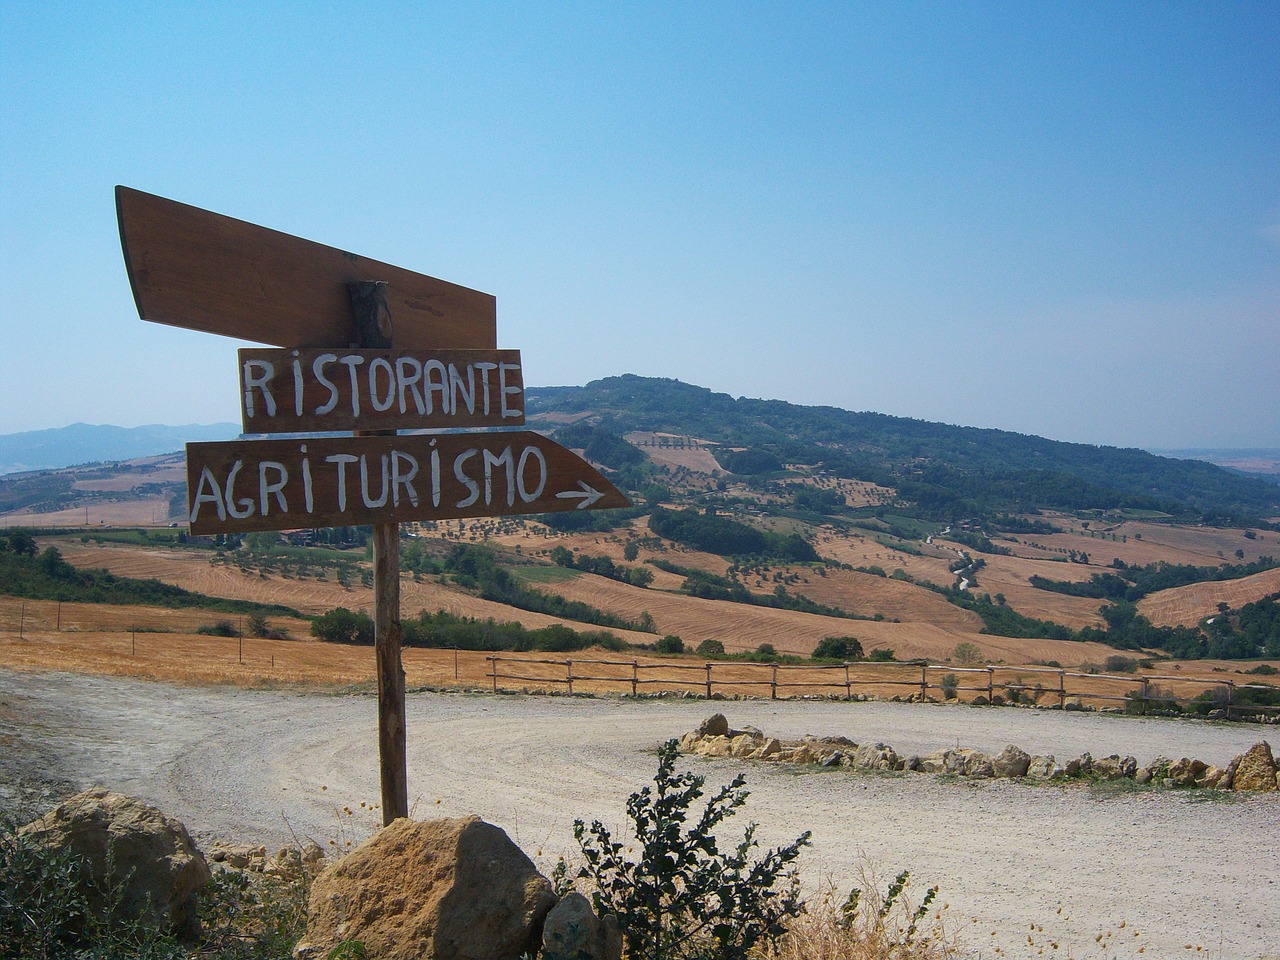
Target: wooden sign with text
{"x":192,"y":268}
{"x":429,"y":359}
{"x":316,"y":391}
{"x":246,"y":485}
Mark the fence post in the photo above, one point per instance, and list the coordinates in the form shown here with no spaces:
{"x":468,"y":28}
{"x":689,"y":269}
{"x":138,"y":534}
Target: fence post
{"x":635,"y":677}
{"x":1062,"y":689}
{"x":991,"y":683}
{"x":848,"y":686}
{"x":924,"y":682}
{"x":1145,"y":687}
{"x":1231,"y":696}
{"x":708,"y":679}
{"x":493,"y":671}
{"x":773,"y":683}
{"x":568,"y":675}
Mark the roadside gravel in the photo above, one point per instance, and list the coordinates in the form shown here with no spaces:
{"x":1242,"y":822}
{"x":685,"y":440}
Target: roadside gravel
{"x":267,"y":765}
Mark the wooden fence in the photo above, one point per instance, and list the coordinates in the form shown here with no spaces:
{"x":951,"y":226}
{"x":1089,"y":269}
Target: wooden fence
{"x":916,"y":679}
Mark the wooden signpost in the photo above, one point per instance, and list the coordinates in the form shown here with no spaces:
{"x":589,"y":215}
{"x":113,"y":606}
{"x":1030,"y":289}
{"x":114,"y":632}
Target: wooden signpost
{"x":369,"y":348}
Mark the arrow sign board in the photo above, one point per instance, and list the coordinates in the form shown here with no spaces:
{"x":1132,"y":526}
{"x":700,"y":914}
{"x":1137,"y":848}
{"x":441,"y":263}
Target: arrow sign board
{"x":192,"y":268}
{"x":317,"y":391}
{"x":247,"y":485}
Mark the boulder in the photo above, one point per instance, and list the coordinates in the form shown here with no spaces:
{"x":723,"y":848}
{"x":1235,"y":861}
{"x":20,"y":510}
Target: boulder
{"x":1215,"y":778}
{"x":1082,"y":766}
{"x":1185,"y":772}
{"x":937,"y":762}
{"x":1256,"y":769}
{"x":132,"y":847}
{"x":977,"y":765}
{"x":1115,"y":767}
{"x":716,"y":725}
{"x":771,"y":749}
{"x":1042,"y":767}
{"x":453,"y":889}
{"x":573,"y":932}
{"x":874,"y":757}
{"x":1012,"y":762}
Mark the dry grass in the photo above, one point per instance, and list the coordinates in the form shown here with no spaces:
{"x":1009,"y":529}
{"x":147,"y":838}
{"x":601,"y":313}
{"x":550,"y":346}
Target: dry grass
{"x":906,"y":927}
{"x":1190,"y":604}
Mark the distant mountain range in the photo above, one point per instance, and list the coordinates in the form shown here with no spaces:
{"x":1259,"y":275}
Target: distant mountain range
{"x":89,"y":443}
{"x":944,"y":471}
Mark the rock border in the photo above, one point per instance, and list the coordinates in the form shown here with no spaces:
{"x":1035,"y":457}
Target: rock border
{"x":1254,"y":771}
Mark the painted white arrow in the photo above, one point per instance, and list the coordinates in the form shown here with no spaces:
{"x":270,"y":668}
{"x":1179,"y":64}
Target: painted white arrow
{"x":588,"y":493}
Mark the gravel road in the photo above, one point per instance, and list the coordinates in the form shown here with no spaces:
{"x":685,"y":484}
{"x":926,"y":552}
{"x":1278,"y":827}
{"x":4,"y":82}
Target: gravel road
{"x":261,"y":765}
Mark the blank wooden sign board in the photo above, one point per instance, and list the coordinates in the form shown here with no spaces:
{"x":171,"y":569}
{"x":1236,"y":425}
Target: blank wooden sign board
{"x":362,"y":346}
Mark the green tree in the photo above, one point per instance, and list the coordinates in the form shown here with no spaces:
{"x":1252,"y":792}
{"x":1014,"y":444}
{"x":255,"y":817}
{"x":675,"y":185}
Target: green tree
{"x":341,"y":625}
{"x":838,"y":648}
{"x":669,"y":644}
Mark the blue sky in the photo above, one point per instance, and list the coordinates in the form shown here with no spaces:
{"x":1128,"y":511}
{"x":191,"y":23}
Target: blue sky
{"x":1059,"y":219}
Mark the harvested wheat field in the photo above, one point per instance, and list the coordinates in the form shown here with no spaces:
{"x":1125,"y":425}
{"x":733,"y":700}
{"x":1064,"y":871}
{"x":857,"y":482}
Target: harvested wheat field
{"x":1190,"y":604}
{"x":741,"y":627}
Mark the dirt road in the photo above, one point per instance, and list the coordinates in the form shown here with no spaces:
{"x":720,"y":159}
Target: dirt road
{"x":1176,"y":867}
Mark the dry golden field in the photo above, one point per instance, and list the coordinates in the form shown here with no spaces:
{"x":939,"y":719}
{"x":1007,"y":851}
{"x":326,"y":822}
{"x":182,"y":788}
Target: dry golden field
{"x":1190,"y":604}
{"x":121,"y":641}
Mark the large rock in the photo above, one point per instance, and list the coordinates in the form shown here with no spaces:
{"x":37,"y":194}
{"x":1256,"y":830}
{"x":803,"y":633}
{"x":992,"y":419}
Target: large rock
{"x":131,"y":847}
{"x":1042,"y":766}
{"x":716,"y":725}
{"x":430,"y":890}
{"x":1012,"y":762}
{"x":573,"y":932}
{"x":1256,"y":769}
{"x":1185,"y":772}
{"x":876,"y":756}
{"x":1115,"y":767}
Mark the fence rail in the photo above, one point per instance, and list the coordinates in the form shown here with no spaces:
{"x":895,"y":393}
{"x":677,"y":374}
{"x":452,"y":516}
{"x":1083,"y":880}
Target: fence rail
{"x":1144,"y":696}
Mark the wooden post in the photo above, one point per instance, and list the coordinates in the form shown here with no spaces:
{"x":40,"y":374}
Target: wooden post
{"x":773,"y":683}
{"x":1231,"y":696}
{"x":708,"y":679}
{"x":568,"y":675}
{"x":373,"y":320}
{"x":1062,"y":689}
{"x":1145,"y":694}
{"x":635,"y":677}
{"x":991,"y":683}
{"x":848,"y":686}
{"x":924,"y":682}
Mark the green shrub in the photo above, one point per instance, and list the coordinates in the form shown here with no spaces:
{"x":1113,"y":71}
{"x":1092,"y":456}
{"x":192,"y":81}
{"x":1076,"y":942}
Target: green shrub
{"x":669,"y":644}
{"x":710,"y":648}
{"x":838,"y":648}
{"x":950,"y":684}
{"x":223,"y":628}
{"x":684,"y":898}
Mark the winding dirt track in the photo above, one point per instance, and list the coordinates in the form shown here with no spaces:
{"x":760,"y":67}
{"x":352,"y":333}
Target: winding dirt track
{"x":262,"y":765}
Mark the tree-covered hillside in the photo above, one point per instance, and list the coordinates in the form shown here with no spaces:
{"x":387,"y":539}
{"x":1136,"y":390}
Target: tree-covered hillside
{"x":947,"y":471}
